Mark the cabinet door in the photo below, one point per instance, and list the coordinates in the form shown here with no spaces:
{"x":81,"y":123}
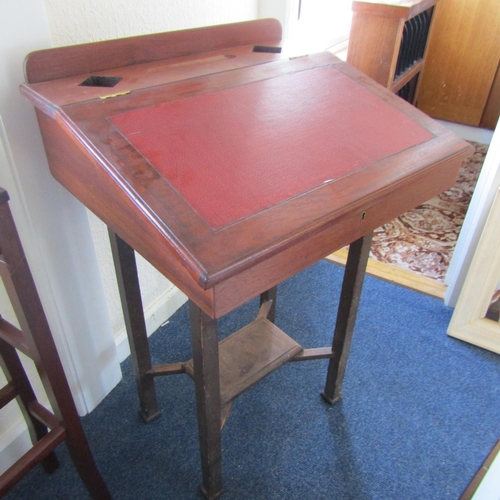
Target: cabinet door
{"x":462,"y":59}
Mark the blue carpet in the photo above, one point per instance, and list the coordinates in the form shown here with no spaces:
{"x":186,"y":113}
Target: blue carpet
{"x":420,"y":411}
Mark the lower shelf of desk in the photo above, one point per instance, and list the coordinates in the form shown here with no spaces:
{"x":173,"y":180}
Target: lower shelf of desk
{"x":248,"y":355}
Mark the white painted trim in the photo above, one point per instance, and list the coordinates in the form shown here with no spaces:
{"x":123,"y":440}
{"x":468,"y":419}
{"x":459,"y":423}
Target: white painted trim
{"x":489,"y":487}
{"x":479,"y":208}
{"x":156,"y":314}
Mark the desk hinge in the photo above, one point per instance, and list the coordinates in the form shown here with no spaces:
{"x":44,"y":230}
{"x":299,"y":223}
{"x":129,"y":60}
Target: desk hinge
{"x":109,"y":96}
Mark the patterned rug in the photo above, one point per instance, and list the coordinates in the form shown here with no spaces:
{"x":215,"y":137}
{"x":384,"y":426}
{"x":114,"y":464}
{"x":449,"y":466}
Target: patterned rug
{"x":422,"y":240}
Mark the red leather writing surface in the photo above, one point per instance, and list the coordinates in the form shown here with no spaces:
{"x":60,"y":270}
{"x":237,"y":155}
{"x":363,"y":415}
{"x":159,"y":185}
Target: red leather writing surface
{"x":238,"y":151}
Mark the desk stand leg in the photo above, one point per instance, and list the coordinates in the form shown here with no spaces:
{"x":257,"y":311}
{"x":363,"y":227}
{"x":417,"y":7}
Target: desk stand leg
{"x":205,"y":346}
{"x":270,"y":295}
{"x":352,"y":284}
{"x":130,"y":295}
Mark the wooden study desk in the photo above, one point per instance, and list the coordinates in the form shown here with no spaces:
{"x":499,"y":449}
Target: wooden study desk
{"x":231,"y":166}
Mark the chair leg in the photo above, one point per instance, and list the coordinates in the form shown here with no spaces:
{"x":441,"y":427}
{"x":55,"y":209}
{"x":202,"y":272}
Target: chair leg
{"x":16,"y":376}
{"x":39,"y":345}
{"x":76,"y":441}
{"x":81,"y":455}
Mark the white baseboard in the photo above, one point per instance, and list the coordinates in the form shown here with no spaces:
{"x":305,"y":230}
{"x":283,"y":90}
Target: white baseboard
{"x":155,"y":315}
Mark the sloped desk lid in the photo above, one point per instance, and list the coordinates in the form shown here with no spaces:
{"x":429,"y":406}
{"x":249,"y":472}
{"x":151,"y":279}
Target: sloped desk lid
{"x":234,"y":153}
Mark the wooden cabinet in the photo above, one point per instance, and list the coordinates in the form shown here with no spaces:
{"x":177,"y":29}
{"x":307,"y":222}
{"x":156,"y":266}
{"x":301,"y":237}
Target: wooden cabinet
{"x":388,"y":41}
{"x":459,"y":83}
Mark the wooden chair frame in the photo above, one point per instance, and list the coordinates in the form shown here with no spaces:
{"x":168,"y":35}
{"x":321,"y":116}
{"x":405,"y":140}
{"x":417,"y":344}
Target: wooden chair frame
{"x":34,"y":339}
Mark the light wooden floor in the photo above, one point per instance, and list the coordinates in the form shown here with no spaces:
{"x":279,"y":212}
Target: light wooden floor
{"x":395,"y":275}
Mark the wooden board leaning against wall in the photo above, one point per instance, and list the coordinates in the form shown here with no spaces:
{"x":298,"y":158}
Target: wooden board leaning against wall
{"x":460,"y":81}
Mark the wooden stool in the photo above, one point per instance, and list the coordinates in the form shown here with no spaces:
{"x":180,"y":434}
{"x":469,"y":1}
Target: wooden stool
{"x":47,"y":430}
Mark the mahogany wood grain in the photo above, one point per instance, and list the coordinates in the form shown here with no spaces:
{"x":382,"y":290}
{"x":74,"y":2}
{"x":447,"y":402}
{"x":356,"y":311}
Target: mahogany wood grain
{"x":146,"y":75}
{"x":250,"y":354}
{"x":7,"y":394}
{"x":313,"y":353}
{"x":52,"y":64}
{"x":77,"y":170}
{"x":346,"y":228}
{"x":13,"y":335}
{"x":130,"y":296}
{"x":350,"y":296}
{"x":205,"y":349}
{"x":376,"y":59}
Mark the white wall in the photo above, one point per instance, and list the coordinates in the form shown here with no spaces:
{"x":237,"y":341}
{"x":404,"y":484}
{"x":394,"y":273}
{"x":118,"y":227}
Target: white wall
{"x":74,"y":22}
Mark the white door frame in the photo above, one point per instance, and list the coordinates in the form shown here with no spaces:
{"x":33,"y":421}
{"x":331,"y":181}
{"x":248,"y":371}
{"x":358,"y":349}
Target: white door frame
{"x":479,"y":208}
